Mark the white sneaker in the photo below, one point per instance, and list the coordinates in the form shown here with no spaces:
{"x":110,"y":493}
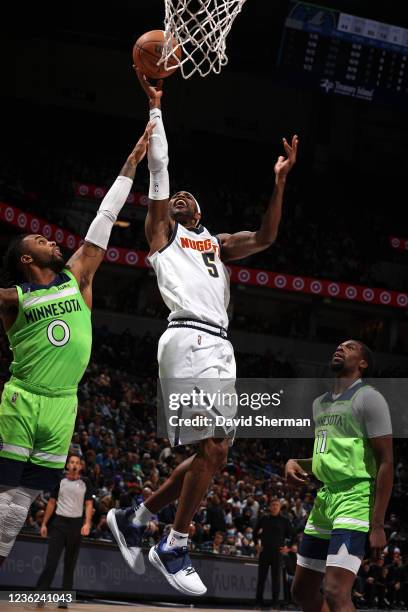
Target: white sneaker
{"x":175,"y":565}
{"x":128,"y":537}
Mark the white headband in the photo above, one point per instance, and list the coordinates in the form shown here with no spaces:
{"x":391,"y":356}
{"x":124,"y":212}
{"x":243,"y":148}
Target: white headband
{"x":197,"y":204}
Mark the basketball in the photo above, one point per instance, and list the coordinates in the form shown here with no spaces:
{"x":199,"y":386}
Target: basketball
{"x":147,"y":51}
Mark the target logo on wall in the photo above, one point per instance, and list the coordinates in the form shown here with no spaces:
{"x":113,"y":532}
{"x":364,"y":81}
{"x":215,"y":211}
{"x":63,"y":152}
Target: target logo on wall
{"x":298,"y":283}
{"x":402,"y":300}
{"x":280,"y":281}
{"x":244,"y":276}
{"x":9,"y":214}
{"x":71,"y":241}
{"x":112,"y":255}
{"x":333,"y":289}
{"x":131,"y":258}
{"x":83,"y":190}
{"x":368,"y":294}
{"x":262,"y":278}
{"x":46,"y":230}
{"x":22,"y":220}
{"x":99,"y":192}
{"x":59,"y":235}
{"x":385,"y":297}
{"x":34,"y":225}
{"x":316,"y":287}
{"x":351,"y":292}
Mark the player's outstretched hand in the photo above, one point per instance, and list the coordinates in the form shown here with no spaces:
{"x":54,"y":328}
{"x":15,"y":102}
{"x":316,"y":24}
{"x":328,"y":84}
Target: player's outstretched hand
{"x":140,"y":149}
{"x":43,"y":531}
{"x":153,"y":92}
{"x":284,"y":164}
{"x":294,"y":474}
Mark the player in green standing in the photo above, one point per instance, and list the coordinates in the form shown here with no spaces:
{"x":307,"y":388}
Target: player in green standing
{"x":47,"y":318}
{"x":353,"y":458}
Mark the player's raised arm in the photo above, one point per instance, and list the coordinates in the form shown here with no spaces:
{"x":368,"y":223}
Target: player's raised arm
{"x":86,"y":260}
{"x":8,"y":306}
{"x":158,"y":222}
{"x":242,"y":244}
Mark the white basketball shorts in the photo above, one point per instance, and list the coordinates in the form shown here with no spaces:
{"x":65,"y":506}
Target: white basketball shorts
{"x":197,"y":373}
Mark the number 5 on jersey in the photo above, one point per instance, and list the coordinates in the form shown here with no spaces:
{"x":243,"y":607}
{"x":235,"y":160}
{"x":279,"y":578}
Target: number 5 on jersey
{"x":209,"y":260}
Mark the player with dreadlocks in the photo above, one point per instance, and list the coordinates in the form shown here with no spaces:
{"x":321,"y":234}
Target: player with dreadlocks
{"x":46,"y":313}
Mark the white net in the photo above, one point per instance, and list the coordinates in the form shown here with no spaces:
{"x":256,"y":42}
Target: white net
{"x":200,"y":28}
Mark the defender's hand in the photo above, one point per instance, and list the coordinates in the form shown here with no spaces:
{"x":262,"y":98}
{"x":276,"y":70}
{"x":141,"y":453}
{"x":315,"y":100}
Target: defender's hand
{"x":154,"y":93}
{"x":294,"y":474}
{"x":43,"y":531}
{"x":284,"y":165}
{"x":140,"y":149}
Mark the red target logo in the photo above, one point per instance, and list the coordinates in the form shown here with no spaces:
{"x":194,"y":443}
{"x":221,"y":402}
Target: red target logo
{"x":83,"y":190}
{"x":112,"y":255}
{"x":333,"y":289}
{"x":396,"y":243}
{"x":99,"y":192}
{"x":143,"y":200}
{"x":385,"y":297}
{"x":34,"y":225}
{"x":351,"y":292}
{"x":262,"y":278}
{"x":402,"y":300}
{"x":71,"y":241}
{"x":46,"y":230}
{"x":298,"y":283}
{"x":59,"y":235}
{"x":131,"y":258}
{"x":9,"y":214}
{"x":316,"y":287}
{"x":280,"y":281}
{"x":368,"y":295}
{"x":244,"y":276}
{"x":22,"y":220}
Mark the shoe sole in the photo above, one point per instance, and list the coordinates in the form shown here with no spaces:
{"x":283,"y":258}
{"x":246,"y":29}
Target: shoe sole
{"x":136,"y":565}
{"x":156,"y":562}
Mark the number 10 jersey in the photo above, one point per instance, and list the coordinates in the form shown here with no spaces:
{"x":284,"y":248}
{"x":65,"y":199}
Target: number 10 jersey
{"x":193,"y":281}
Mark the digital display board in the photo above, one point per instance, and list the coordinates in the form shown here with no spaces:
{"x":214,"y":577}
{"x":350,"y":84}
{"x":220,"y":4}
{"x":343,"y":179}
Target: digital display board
{"x":344,"y":54}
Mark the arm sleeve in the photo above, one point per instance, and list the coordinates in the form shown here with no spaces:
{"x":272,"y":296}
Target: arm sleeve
{"x":373,"y":411}
{"x":100,"y":229}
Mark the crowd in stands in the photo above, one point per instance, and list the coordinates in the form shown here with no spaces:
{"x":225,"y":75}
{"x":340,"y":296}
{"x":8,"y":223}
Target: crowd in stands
{"x":116,"y":438}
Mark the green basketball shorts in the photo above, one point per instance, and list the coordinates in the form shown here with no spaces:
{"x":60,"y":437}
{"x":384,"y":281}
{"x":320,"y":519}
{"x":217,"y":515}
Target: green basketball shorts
{"x":337,"y":529}
{"x":35,"y":435}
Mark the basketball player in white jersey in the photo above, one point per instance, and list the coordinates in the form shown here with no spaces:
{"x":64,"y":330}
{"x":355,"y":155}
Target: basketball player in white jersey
{"x":194,"y":284}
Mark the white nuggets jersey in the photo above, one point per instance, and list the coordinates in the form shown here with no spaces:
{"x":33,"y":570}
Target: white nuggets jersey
{"x":192,"y":279}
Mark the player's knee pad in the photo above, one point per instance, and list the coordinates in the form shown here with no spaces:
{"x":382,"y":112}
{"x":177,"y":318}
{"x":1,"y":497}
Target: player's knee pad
{"x":15,"y":513}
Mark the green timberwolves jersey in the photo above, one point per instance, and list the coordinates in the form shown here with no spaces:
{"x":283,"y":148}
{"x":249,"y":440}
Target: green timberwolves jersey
{"x":51,"y":337}
{"x":343,"y":427}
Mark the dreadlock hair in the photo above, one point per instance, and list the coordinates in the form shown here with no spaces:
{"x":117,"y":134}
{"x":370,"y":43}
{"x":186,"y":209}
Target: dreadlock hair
{"x":12,"y":271}
{"x":368,"y":356}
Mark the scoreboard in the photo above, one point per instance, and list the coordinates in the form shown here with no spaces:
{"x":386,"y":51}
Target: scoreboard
{"x":344,"y":54}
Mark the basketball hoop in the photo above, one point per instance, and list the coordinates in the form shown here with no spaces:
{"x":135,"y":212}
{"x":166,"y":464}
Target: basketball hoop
{"x":200,"y":28}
